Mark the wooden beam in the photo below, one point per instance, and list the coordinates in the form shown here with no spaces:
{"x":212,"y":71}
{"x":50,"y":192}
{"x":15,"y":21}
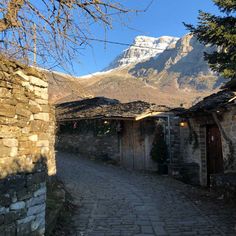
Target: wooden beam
{"x":232,"y":99}
{"x":150,"y":114}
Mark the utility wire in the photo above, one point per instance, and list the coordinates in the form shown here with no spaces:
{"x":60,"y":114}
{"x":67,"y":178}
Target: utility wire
{"x":121,"y":43}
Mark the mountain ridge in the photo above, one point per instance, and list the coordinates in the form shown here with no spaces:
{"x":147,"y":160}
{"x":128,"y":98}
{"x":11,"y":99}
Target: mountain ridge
{"x":176,"y":75}
{"x":143,"y":47}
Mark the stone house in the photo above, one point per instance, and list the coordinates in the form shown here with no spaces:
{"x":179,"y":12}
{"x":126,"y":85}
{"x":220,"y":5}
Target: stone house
{"x":104,"y":128}
{"x":208,"y":141}
{"x":27,"y":128}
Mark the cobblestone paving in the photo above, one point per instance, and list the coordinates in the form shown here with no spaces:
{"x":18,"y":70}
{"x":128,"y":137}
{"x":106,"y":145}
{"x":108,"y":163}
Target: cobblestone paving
{"x":115,"y":202}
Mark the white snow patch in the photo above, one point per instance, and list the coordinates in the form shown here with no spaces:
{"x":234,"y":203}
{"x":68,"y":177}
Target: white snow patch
{"x":93,"y":74}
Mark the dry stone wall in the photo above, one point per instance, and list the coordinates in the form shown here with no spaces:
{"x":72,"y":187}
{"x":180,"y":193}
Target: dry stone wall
{"x":89,"y":145}
{"x":27,"y":128}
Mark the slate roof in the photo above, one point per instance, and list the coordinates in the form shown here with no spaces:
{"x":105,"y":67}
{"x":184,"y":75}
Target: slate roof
{"x":102,"y":108}
{"x":230,"y":85}
{"x":213,"y":102}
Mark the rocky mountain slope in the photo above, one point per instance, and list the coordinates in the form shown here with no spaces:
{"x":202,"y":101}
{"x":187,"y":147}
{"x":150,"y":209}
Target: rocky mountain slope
{"x":182,"y":66}
{"x":142,"y":48}
{"x":164,"y":70}
{"x":64,"y":87}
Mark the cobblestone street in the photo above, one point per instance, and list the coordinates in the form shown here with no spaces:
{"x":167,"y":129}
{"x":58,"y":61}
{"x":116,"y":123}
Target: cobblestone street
{"x":113,"y":201}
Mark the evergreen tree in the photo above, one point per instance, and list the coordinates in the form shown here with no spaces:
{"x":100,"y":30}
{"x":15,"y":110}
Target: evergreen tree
{"x":219,"y":31}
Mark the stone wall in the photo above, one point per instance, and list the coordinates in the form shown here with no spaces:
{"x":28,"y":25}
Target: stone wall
{"x":228,"y":123}
{"x":26,"y":149}
{"x":193,"y":148}
{"x":89,"y":145}
{"x":129,"y":142}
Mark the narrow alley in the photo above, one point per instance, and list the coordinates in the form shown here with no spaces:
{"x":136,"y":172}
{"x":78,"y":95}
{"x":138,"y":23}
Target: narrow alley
{"x":113,"y":201}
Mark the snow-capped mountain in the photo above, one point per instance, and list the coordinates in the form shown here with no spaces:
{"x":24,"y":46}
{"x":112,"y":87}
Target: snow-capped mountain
{"x":164,"y":70}
{"x":143,"y":48}
{"x":184,"y":63}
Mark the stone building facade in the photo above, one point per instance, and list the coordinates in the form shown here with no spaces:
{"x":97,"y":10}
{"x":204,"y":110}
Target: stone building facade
{"x":103,"y":129}
{"x":208,"y":141}
{"x":27,"y":128}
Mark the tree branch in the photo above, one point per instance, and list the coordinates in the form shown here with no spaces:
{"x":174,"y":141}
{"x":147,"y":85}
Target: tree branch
{"x":10,"y":18}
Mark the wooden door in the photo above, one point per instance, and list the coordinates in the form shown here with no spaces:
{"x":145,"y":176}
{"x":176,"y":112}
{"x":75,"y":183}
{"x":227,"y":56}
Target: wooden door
{"x":214,"y":152}
{"x":127,"y":154}
{"x":138,"y":148}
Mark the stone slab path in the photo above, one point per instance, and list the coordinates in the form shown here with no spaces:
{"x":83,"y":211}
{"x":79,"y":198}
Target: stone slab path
{"x":115,"y":202}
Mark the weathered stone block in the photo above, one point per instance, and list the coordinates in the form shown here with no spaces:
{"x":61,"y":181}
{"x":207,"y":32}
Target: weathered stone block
{"x":41,"y":101}
{"x":36,"y":178}
{"x":22,"y":122}
{"x":7,"y":110}
{"x":10,"y":142}
{"x":3,"y":210}
{"x":16,"y":182}
{"x":34,"y":210}
{"x":20,"y":97}
{"x":17,"y":205}
{"x":5,"y":200}
{"x":23,"y":194}
{"x":33,"y":138}
{"x":22,"y":75}
{"x":39,"y":222}
{"x":34,"y":108}
{"x":38,"y":82}
{"x":14,"y":152}
{"x":8,"y":121}
{"x":5,"y":93}
{"x":26,"y":152}
{"x":23,"y":110}
{"x":4,"y":151}
{"x":42,"y":143}
{"x":9,"y":131}
{"x":39,"y":192}
{"x":25,"y":130}
{"x":28,"y":86}
{"x":36,"y":201}
{"x":41,"y":93}
{"x":38,"y":126}
{"x":26,"y":144}
{"x":45,"y":108}
{"x":42,"y":116}
{"x":10,"y":217}
{"x":26,"y":220}
{"x":43,"y":136}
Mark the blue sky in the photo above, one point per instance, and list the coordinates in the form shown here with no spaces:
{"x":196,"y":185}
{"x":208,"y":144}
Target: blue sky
{"x":164,"y":17}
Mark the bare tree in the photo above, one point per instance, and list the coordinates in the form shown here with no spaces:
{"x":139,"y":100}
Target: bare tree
{"x":61,"y":27}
